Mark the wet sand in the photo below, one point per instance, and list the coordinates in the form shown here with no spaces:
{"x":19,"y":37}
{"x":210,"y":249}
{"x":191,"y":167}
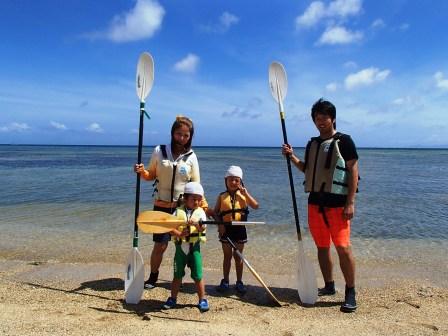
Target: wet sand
{"x":55,"y":298}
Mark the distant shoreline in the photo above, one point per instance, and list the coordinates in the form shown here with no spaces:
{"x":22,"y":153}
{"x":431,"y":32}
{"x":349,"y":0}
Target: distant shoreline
{"x":196,"y":146}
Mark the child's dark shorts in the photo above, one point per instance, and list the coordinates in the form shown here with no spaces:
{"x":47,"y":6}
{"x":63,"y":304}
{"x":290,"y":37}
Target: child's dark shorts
{"x":237,"y":234}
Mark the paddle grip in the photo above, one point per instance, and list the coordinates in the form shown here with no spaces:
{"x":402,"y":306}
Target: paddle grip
{"x":291,"y":182}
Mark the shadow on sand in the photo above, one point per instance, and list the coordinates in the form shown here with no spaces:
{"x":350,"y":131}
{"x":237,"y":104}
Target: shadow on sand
{"x":256,"y":295}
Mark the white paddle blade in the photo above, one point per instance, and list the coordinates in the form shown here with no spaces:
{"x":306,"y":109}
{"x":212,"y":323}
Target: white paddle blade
{"x":278,"y":82}
{"x":306,"y":278}
{"x":134,"y":280}
{"x":145,"y":75}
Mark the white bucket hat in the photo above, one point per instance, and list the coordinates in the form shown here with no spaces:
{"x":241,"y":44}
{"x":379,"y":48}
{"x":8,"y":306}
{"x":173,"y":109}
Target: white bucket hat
{"x":234,"y":171}
{"x":194,"y":188}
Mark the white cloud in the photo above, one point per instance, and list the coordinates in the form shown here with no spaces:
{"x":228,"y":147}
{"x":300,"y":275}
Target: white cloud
{"x":15,"y":127}
{"x":407,"y":100}
{"x":58,"y":126}
{"x":365,"y":77}
{"x":312,"y":15}
{"x":317,"y":11}
{"x":141,"y":22}
{"x":343,"y":8}
{"x":412,"y":101}
{"x":226,"y":20}
{"x":188,"y":64}
{"x":378,"y":24}
{"x":441,"y":81}
{"x":399,"y":101}
{"x":251,"y":110}
{"x":332,"y":87}
{"x":95,"y":128}
{"x":350,"y":65}
{"x":339,"y":35}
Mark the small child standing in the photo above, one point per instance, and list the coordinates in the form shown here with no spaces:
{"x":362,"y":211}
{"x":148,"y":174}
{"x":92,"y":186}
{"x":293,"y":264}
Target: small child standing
{"x":232,"y":205}
{"x":187,"y":238}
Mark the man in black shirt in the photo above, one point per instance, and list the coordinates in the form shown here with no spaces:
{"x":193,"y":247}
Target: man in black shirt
{"x":331,"y":178}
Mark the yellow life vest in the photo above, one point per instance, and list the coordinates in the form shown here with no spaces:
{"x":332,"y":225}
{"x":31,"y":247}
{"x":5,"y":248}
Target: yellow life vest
{"x":233,"y":208}
{"x":325,"y":169}
{"x":194,"y":235}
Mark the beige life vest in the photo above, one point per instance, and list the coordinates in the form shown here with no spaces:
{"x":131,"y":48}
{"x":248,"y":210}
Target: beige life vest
{"x":172,"y":175}
{"x":325,"y":169}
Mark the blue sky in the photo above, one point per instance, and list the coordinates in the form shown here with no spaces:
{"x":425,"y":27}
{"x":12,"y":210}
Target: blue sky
{"x":68,"y":70}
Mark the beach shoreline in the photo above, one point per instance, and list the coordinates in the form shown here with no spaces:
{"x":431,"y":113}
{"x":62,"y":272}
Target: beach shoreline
{"x":48,"y":298}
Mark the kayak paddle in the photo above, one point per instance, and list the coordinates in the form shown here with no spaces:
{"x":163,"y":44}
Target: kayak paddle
{"x":255,"y":274}
{"x":135,"y":272}
{"x":307,"y":284}
{"x":162,"y":222}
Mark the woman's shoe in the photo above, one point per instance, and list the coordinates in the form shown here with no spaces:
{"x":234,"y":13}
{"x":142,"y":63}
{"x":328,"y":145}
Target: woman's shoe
{"x":151,"y":282}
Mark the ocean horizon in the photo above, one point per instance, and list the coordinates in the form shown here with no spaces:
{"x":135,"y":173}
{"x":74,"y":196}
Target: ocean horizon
{"x":442,"y":147}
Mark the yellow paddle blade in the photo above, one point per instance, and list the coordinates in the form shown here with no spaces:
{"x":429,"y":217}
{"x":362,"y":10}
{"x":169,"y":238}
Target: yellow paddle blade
{"x":157,"y":222}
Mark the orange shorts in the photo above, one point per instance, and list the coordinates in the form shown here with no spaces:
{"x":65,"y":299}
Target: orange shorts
{"x":337,"y":229}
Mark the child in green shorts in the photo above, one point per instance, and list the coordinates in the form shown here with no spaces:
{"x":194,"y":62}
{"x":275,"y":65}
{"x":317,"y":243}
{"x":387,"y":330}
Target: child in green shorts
{"x":187,"y":238}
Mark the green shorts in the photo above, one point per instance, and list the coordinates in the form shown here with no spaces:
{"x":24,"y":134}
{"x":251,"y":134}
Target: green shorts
{"x":193,"y":259}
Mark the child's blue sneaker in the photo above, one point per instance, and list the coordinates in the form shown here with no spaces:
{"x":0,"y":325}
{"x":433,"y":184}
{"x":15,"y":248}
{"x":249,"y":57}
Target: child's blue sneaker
{"x":203,"y":305}
{"x":223,"y":286}
{"x":240,"y":288}
{"x":170,"y":303}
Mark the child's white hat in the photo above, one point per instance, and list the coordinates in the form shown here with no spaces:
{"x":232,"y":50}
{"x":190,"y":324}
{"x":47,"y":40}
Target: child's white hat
{"x":194,"y":188}
{"x":234,"y":171}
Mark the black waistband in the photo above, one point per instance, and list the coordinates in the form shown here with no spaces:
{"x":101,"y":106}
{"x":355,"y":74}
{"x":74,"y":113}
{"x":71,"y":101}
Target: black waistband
{"x":327,"y":200}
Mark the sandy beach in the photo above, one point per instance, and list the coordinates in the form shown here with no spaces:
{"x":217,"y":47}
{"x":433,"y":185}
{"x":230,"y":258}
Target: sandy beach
{"x":58,"y":298}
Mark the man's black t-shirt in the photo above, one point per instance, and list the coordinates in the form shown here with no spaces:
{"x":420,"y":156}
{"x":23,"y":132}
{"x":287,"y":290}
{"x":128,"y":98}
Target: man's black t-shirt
{"x":348,"y":151}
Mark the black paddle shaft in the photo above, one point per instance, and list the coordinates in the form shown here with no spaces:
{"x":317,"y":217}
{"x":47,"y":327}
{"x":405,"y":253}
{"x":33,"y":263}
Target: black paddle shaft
{"x":139,"y":160}
{"x":291,"y":182}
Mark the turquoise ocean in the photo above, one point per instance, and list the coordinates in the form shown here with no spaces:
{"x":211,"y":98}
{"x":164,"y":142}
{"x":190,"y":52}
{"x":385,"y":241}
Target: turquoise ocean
{"x":76,"y":204}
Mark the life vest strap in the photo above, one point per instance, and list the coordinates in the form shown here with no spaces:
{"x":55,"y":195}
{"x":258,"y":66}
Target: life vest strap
{"x":244,"y":212}
{"x":342,"y":168}
{"x":340,"y":183}
{"x":307,"y":151}
{"x":165,"y":155}
{"x":335,"y":137}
